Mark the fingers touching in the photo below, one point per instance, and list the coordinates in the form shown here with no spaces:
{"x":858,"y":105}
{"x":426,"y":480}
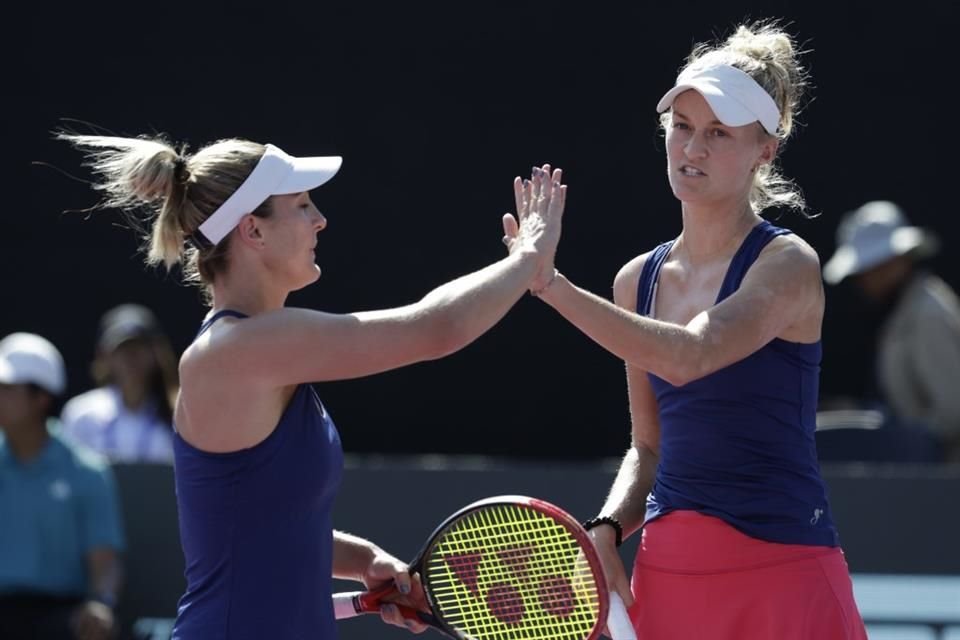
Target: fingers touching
{"x":540,"y":202}
{"x":510,"y":230}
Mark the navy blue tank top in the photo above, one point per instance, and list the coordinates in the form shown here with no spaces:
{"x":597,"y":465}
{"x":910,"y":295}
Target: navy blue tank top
{"x":738,"y":444}
{"x":255,"y":526}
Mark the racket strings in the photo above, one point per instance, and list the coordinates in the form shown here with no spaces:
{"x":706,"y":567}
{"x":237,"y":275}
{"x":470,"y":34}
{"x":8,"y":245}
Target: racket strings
{"x":507,"y":572}
{"x":555,"y":592}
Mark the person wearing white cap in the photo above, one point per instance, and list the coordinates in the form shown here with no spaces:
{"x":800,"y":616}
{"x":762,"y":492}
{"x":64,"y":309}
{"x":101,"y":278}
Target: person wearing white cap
{"x":720,"y":332}
{"x":257,"y":456}
{"x":61,"y":532}
{"x":917,"y":354}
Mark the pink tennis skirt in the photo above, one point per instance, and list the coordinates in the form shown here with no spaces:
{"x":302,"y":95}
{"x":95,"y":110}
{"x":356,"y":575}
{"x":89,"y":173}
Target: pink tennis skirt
{"x":697,"y":577}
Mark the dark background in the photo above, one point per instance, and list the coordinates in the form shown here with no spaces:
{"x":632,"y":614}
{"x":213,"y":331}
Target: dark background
{"x":436,"y":108}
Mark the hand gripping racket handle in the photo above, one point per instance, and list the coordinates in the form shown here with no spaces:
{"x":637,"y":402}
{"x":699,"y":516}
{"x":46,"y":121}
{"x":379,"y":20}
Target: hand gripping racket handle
{"x":618,"y":622}
{"x":348,"y":604}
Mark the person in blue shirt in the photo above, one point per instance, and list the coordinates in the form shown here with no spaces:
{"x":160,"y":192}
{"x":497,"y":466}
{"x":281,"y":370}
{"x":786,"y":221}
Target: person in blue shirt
{"x":61,"y":532}
{"x":720,"y":332}
{"x":257,"y":457}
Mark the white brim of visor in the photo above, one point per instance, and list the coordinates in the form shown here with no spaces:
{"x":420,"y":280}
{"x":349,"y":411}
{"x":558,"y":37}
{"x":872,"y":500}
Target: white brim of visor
{"x":277,"y":173}
{"x":735,"y":97}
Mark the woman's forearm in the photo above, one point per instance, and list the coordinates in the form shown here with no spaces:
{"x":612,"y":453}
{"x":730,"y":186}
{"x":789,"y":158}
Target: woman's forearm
{"x":465,"y":308}
{"x":670,"y":351}
{"x":351,"y":555}
{"x":627,"y":498}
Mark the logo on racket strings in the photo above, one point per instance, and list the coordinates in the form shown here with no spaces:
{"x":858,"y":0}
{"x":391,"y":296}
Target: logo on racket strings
{"x":509,"y":566}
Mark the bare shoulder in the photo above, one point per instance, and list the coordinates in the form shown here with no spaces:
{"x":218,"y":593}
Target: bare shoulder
{"x":209,"y":351}
{"x":790,"y":278}
{"x":626,"y":281}
{"x":792,"y":254}
{"x":191,"y":360}
{"x":224,"y":405}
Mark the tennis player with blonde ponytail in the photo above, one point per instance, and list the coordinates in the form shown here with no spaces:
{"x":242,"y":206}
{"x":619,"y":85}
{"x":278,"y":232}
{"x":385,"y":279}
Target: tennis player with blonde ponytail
{"x":257,"y":456}
{"x":720,"y":332}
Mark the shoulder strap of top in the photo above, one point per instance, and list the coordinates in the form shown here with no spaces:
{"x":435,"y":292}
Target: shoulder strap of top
{"x":649,"y":276}
{"x":223,"y":313}
{"x":747,"y":254}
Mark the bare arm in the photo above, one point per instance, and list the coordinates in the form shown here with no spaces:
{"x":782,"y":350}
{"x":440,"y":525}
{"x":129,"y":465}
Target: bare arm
{"x":626,"y":500}
{"x":783,"y":286}
{"x":351,"y":556}
{"x":290,"y":346}
{"x":361,"y":560}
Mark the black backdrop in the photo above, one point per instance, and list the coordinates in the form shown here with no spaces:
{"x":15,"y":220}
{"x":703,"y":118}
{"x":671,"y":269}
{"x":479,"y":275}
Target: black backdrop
{"x":435,"y":108}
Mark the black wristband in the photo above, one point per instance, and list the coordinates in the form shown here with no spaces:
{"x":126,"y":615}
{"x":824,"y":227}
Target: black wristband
{"x":610,"y":520}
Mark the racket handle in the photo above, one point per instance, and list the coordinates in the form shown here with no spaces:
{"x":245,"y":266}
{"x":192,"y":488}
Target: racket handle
{"x":347,"y":604}
{"x":618,"y":621}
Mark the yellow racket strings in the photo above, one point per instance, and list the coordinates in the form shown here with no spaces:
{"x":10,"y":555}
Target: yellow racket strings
{"x":510,"y":572}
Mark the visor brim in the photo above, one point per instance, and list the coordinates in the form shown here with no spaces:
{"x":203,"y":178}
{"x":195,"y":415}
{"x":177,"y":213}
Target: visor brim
{"x":727,"y":109}
{"x":308,"y":174}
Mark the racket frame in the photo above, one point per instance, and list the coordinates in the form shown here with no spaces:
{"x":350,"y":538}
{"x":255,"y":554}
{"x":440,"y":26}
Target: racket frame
{"x":542,"y":506}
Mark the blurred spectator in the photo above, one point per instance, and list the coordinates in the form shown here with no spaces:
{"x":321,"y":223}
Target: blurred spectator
{"x":60,"y":530}
{"x":918,"y":345}
{"x":129,"y":416}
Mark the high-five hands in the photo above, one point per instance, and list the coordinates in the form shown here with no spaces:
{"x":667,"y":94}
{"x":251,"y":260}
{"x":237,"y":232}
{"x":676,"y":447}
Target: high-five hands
{"x":540,"y":203}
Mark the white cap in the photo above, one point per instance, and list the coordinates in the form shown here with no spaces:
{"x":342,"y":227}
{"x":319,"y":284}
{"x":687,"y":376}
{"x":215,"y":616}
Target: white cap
{"x":735,"y":97}
{"x":275,"y":174}
{"x":26,"y":358}
{"x":871,"y":235}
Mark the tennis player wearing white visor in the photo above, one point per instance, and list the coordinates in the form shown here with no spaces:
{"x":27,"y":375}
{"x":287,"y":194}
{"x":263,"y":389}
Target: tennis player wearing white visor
{"x":276,"y":174}
{"x":719,"y":329}
{"x":258,"y":459}
{"x":735,"y":98}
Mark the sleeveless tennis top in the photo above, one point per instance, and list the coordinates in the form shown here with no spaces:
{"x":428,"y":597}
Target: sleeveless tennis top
{"x":256,"y":532}
{"x":738,"y":444}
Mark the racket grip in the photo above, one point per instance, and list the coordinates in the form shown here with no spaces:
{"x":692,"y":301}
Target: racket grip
{"x":618,"y":621}
{"x":346,"y":604}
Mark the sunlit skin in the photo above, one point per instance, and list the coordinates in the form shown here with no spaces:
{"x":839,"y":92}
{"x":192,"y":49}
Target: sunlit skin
{"x":290,"y":252}
{"x":709,"y":163}
{"x":712,"y":168}
{"x":239,"y":376}
{"x":271,"y":256}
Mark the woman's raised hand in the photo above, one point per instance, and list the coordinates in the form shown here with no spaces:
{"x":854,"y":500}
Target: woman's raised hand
{"x":540,"y":203}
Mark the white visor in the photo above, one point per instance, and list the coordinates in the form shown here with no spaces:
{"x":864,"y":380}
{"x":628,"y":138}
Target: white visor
{"x":735,"y":97}
{"x":275,"y":174}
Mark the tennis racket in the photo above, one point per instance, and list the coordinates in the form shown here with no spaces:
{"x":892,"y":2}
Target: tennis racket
{"x":506,"y":568}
